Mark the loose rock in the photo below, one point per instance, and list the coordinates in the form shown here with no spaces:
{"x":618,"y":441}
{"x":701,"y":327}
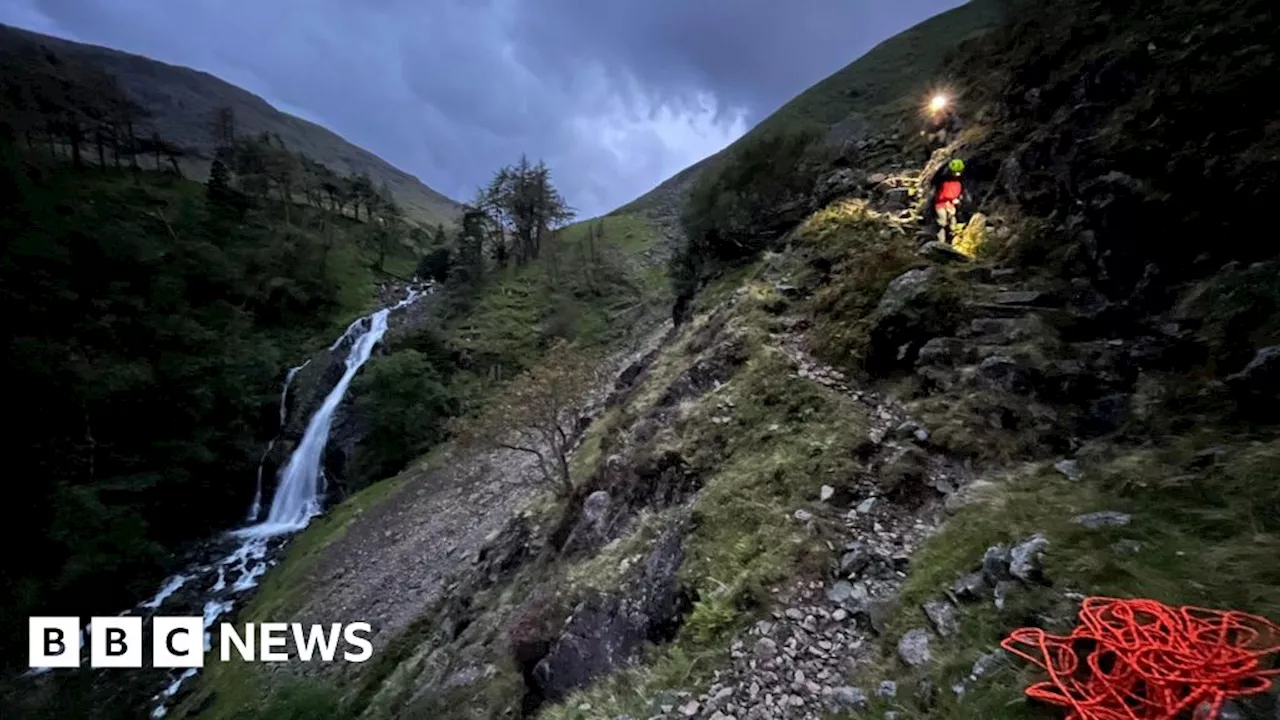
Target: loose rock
{"x":1025,"y":558}
{"x":943,"y":616}
{"x":1069,"y":469}
{"x":913,"y":648}
{"x":1104,"y":518}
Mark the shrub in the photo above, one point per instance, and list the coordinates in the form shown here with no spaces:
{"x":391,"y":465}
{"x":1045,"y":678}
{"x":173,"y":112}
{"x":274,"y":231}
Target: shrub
{"x":735,"y":209}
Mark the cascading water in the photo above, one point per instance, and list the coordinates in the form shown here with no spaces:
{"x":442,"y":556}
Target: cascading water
{"x":298,"y":498}
{"x":255,"y":508}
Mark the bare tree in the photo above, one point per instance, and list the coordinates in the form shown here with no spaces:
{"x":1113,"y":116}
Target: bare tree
{"x":536,"y":413}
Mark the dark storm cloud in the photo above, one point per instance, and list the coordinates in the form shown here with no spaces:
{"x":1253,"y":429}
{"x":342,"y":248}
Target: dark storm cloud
{"x":616,"y":96}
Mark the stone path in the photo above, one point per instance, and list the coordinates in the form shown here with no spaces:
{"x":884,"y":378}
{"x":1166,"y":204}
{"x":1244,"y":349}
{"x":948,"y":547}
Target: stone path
{"x":795,"y":665}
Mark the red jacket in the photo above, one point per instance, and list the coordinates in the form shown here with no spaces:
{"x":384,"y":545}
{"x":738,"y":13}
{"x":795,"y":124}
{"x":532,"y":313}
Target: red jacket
{"x":950,"y":192}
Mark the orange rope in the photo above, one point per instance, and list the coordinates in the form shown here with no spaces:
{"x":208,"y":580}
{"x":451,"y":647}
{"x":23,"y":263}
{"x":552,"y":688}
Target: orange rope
{"x":1142,"y":660}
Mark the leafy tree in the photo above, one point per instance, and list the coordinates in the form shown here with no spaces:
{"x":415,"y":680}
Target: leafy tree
{"x":536,"y":413}
{"x":735,"y":209}
{"x":404,"y":399}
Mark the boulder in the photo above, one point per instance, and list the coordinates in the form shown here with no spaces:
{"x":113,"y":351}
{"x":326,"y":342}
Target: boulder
{"x":914,"y":648}
{"x":941,"y":252}
{"x":918,"y":305}
{"x":607,"y":633}
{"x":1007,"y":374}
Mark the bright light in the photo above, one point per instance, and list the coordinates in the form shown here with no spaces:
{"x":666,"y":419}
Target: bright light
{"x":938,"y":103}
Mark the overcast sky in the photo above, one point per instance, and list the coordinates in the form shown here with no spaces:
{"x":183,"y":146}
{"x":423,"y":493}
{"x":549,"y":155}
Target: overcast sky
{"x":616,"y":95}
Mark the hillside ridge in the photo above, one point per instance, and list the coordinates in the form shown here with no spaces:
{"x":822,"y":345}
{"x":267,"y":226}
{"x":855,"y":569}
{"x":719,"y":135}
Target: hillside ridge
{"x":182,"y":100}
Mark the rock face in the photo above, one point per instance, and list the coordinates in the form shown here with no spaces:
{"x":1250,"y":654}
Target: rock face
{"x":607,"y":633}
{"x":912,"y":310}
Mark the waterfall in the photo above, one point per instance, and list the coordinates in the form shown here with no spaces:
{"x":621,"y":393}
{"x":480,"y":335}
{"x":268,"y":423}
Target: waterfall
{"x":299,"y":494}
{"x":297,"y":499}
{"x":255,"y":508}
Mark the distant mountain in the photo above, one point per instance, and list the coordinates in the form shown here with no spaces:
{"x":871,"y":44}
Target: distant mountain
{"x":181,"y":101}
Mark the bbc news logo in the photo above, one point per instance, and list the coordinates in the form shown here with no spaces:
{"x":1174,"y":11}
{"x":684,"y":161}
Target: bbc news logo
{"x":179,"y":642}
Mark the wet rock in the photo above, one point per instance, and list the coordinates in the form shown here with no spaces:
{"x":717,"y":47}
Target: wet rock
{"x":855,"y":561}
{"x":837,"y":184}
{"x":826,"y":493}
{"x":1026,"y":559}
{"x":916,"y":306}
{"x":1002,"y":591}
{"x":1102,"y":519}
{"x":986,"y":664}
{"x":840,"y":592}
{"x":1070,"y":469}
{"x":943,"y":616}
{"x":911,"y":430}
{"x":914,"y":649}
{"x":608,"y":632}
{"x":866,"y":506}
{"x":904,"y":289}
{"x":879,"y":611}
{"x":1259,"y":381}
{"x":766,"y":649}
{"x":1019,"y":297}
{"x":853,"y":597}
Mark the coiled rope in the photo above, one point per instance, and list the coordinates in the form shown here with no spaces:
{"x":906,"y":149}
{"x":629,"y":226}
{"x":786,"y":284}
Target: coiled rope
{"x":1139,"y":659}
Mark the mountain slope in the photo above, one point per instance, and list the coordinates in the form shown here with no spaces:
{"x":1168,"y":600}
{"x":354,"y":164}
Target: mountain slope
{"x":182,"y":101}
{"x":770,"y":507}
{"x":868,"y":95}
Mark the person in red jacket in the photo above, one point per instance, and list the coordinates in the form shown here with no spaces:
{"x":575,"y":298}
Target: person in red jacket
{"x":949,"y":194}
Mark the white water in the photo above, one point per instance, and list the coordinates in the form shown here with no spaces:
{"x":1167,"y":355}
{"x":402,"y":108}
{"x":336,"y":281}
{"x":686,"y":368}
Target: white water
{"x":255,"y":508}
{"x":298,"y":498}
{"x":299,"y":494}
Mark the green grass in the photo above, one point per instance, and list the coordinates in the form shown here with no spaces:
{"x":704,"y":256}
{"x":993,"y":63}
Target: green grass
{"x":1208,"y":537}
{"x":600,"y":304}
{"x":787,"y":437}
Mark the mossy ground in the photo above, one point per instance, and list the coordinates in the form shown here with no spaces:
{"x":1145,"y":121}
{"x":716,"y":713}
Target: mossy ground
{"x":1206,"y":536}
{"x":601,"y":293}
{"x":771,"y":440}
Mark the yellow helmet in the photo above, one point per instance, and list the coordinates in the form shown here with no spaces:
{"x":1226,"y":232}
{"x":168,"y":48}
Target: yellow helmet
{"x":957,"y":165}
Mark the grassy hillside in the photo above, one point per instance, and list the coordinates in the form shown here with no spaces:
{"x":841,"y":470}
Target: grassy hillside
{"x":869,"y":95}
{"x":182,"y":100}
